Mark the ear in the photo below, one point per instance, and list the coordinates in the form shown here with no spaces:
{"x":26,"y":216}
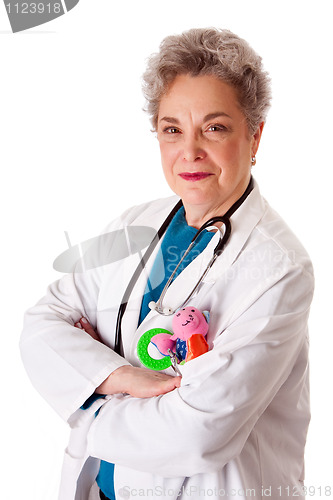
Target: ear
{"x":256,"y":139}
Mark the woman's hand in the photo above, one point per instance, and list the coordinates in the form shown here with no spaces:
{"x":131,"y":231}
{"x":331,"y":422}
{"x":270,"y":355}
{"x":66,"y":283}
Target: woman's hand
{"x":137,"y":382}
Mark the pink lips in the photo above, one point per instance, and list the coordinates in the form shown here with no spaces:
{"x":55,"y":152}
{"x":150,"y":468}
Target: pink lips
{"x":194,"y":176}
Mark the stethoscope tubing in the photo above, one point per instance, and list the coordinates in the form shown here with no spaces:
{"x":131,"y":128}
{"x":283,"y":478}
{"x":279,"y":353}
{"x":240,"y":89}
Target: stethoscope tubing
{"x":167,"y":311}
{"x":118,"y":348}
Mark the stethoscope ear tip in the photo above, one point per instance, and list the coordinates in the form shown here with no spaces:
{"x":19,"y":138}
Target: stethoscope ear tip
{"x":152,"y":305}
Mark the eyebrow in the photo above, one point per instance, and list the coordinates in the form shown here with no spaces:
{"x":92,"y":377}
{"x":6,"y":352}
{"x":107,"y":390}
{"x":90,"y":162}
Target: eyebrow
{"x":169,"y":119}
{"x":210,"y":116}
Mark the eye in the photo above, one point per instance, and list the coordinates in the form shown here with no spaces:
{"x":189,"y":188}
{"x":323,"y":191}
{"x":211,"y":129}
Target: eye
{"x":171,"y":130}
{"x":216,"y":127}
{"x":192,"y":310}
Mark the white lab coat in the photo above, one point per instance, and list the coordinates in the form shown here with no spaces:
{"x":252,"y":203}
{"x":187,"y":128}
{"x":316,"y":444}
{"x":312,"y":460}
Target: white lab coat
{"x":237,"y":425}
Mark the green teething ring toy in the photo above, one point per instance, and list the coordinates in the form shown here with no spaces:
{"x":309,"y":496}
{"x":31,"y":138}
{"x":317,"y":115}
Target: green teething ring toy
{"x":142,"y":350}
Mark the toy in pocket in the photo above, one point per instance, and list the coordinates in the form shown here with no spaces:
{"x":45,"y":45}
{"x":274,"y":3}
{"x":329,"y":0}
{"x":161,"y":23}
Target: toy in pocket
{"x":187,"y":341}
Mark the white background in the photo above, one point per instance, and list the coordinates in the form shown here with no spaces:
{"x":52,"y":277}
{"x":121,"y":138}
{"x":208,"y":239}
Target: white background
{"x":76,"y":149}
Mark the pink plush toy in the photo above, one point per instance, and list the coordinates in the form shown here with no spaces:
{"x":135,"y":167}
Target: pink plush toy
{"x":187,"y":322}
{"x":190,"y":327}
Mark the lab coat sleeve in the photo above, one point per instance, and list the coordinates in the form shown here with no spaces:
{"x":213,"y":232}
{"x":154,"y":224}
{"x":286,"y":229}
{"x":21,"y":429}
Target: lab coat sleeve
{"x":204,"y":424}
{"x":64,"y":363}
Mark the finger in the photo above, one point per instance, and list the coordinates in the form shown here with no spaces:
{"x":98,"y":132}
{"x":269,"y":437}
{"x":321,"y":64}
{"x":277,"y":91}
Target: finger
{"x":86,"y":326}
{"x":158,"y":386}
{"x":172,"y":384}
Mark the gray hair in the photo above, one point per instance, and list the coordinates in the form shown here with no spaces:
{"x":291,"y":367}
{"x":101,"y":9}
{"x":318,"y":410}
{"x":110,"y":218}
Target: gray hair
{"x":215,"y":52}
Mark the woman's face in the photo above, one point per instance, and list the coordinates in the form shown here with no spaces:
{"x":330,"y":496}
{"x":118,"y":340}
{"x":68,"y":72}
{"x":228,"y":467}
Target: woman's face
{"x":205,"y":144}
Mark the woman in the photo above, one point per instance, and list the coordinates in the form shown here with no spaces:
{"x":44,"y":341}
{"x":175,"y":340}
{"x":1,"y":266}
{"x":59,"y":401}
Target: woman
{"x":234,"y":422}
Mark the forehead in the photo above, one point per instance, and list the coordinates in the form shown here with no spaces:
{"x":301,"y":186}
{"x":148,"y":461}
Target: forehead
{"x":203,"y":95}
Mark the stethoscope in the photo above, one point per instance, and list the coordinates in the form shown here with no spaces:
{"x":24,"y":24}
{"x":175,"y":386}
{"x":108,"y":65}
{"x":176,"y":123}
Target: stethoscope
{"x":158,"y":306}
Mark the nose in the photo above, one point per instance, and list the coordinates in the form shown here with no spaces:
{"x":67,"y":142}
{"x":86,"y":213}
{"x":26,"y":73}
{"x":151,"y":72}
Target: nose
{"x":193,"y":150}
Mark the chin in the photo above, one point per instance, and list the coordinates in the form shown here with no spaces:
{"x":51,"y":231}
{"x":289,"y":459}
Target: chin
{"x":196,"y":198}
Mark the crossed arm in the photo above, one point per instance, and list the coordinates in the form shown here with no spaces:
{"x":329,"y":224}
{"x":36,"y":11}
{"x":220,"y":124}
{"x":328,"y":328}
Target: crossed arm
{"x":137,"y":382}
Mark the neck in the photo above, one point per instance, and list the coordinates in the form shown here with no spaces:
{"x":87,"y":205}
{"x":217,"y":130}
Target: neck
{"x":197,"y":215}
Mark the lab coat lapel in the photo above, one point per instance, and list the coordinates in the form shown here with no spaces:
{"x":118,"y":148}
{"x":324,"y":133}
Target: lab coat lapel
{"x":131,"y":316}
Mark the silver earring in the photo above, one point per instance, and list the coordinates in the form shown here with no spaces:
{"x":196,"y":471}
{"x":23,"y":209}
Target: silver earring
{"x":253,"y":161}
